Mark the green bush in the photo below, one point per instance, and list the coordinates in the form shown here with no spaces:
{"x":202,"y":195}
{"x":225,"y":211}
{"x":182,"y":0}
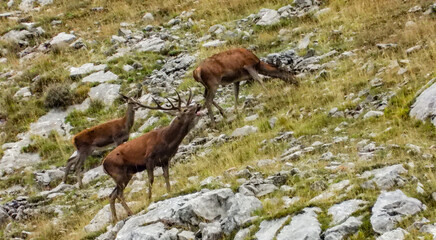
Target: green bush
{"x":58,"y":96}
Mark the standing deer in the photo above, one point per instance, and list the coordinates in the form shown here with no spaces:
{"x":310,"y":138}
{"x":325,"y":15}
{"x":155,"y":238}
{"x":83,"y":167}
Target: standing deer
{"x":153,"y":149}
{"x":112,"y":132}
{"x":233,"y":66}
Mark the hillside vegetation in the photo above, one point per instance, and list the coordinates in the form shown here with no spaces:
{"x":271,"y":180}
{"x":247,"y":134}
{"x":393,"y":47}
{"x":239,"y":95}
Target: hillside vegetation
{"x":345,"y":135}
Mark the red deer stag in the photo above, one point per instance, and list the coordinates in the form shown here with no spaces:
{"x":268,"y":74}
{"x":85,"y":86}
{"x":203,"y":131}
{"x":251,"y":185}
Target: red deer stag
{"x":153,"y":149}
{"x":113,"y":132}
{"x":233,"y":66}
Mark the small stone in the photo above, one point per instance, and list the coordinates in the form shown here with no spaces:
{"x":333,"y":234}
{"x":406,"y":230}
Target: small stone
{"x":272,"y":122}
{"x":148,"y":17}
{"x":186,"y":235}
{"x":244,"y":131}
{"x":100,"y":77}
{"x":62,"y":39}
{"x":397,"y":234}
{"x":414,"y":9}
{"x":413,"y":49}
{"x":214,"y":43}
{"x":251,"y":118}
{"x":268,"y":229}
{"x":128,"y":68}
{"x":372,"y":114}
{"x":268,"y":17}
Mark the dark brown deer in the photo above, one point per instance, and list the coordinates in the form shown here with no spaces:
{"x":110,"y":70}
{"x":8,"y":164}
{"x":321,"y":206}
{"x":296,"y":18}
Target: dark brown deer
{"x":233,"y":66}
{"x":113,"y":132}
{"x":153,"y":149}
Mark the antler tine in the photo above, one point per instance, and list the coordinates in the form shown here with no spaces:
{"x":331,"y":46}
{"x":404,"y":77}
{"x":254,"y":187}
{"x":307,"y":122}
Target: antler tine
{"x":180,"y":100}
{"x":158,"y":106}
{"x":190,"y":97}
{"x":170,"y":102}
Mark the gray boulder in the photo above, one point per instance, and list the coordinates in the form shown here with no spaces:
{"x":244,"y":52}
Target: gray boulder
{"x":424,"y":106}
{"x":385,"y":178}
{"x":431,"y":229}
{"x":23,"y":93}
{"x":339,"y":232}
{"x":340,"y":212}
{"x":16,"y":36}
{"x":62,"y":39}
{"x":222,"y":205}
{"x":151,"y":232}
{"x":304,"y":226}
{"x":372,"y":114}
{"x":105,"y":92}
{"x":211,"y":231}
{"x":214,"y":43}
{"x":390,"y":208}
{"x":268,"y":17}
{"x":93,"y":174}
{"x":104,"y":217}
{"x":244,"y":131}
{"x":86,"y":69}
{"x":397,"y":234}
{"x":100,"y":77}
{"x":186,"y":235}
{"x":268,"y":229}
{"x":303,"y":3}
{"x":153,"y":44}
{"x":44,"y":178}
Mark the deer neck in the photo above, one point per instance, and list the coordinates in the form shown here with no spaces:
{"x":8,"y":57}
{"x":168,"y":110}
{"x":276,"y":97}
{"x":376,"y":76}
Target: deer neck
{"x":175,"y":133}
{"x":130,"y":116}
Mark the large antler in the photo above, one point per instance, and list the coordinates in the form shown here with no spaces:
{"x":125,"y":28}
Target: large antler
{"x":159,"y":105}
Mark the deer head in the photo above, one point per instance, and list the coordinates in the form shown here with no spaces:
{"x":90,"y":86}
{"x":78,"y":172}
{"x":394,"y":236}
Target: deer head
{"x":187,"y":115}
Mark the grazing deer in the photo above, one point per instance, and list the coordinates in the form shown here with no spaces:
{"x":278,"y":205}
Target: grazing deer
{"x":113,"y":132}
{"x":233,"y":66}
{"x":153,"y":149}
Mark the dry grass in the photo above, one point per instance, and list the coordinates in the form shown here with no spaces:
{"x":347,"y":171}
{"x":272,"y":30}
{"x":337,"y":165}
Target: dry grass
{"x":363,"y":24}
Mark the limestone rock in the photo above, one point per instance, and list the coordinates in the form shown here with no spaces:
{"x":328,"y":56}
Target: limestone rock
{"x":304,"y":226}
{"x":244,"y":131}
{"x":93,"y":174}
{"x":425,"y":105}
{"x":100,"y":77}
{"x":340,"y":212}
{"x":153,"y":44}
{"x":397,"y":234}
{"x":339,"y":232}
{"x":62,"y":39}
{"x":268,"y":17}
{"x":390,"y":208}
{"x":105,"y":92}
{"x":86,"y":69}
{"x":268,"y":229}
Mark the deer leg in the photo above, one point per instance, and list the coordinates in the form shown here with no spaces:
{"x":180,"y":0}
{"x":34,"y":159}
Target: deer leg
{"x":166,"y":174}
{"x":254,"y":75}
{"x":123,"y":202}
{"x":209,"y":94}
{"x":112,"y":198}
{"x":236,"y":90}
{"x":80,"y":166}
{"x":219,"y":108}
{"x":150,"y":181}
{"x":70,"y":162}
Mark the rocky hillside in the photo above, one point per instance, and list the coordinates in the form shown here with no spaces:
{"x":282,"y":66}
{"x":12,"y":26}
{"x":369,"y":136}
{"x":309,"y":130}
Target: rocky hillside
{"x":348,"y":154}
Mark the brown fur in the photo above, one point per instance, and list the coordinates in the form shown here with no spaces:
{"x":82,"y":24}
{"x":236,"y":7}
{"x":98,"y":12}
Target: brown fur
{"x":111,"y":132}
{"x":153,"y":149}
{"x":233,"y":66}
